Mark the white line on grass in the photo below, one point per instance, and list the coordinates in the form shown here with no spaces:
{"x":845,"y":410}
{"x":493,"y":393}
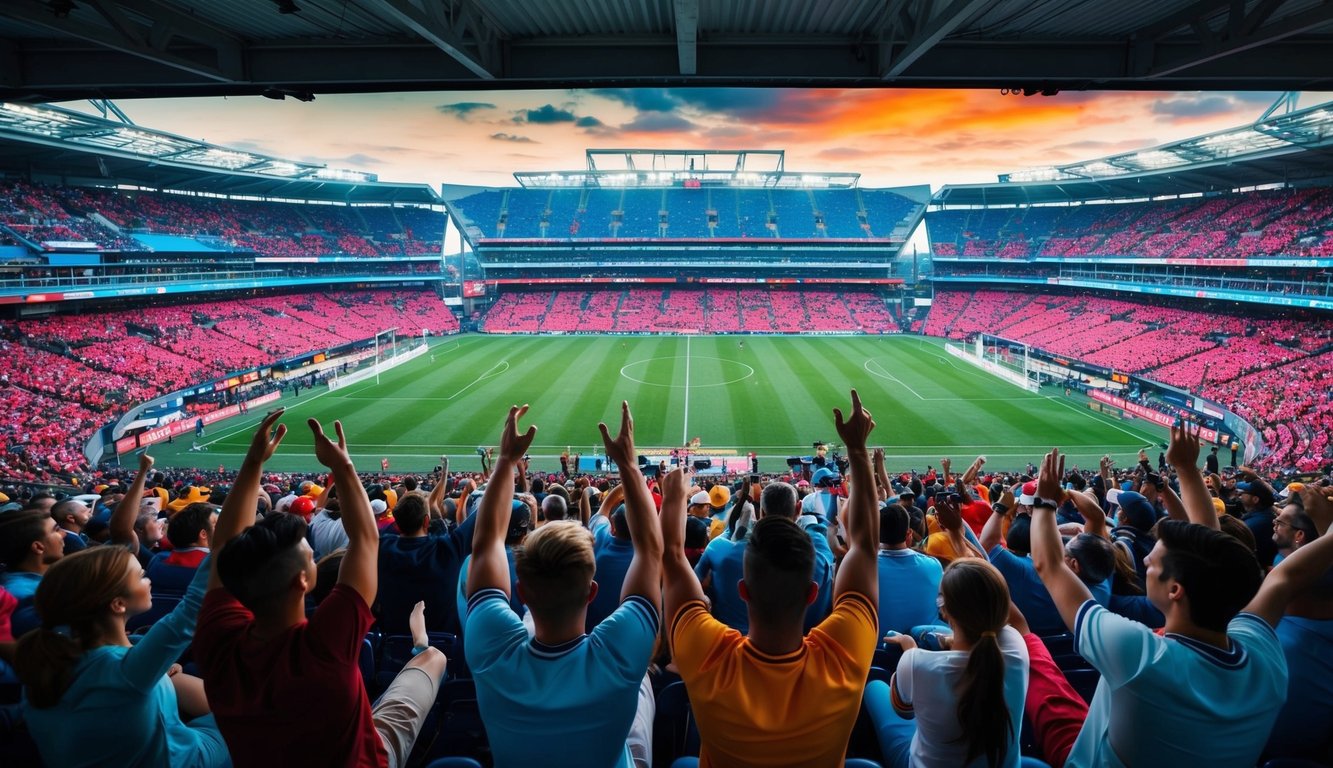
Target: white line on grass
{"x":685,"y":426}
{"x":251,"y":425}
{"x":1104,"y":419}
{"x":883,"y":374}
{"x":490,"y":373}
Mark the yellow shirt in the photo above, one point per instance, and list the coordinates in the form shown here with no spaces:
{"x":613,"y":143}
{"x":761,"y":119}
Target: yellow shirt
{"x":761,"y":710}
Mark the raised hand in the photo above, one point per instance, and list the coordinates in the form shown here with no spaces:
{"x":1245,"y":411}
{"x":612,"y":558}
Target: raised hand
{"x":330,"y":454}
{"x":512,"y":444}
{"x":1007,"y":498}
{"x":264,"y":443}
{"x":948,"y":514}
{"x":620,"y":449}
{"x":675,"y":485}
{"x":1184,"y":448}
{"x":945,"y":464}
{"x":855,"y":429}
{"x":145,"y":462}
{"x":1052,"y":472}
{"x":1319,"y":506}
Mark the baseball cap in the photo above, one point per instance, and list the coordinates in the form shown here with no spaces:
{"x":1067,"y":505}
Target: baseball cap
{"x":1029,"y":495}
{"x":1264,"y":493}
{"x":1135,"y":510}
{"x":1291,"y":489}
{"x":700,"y":498}
{"x":719,"y":496}
{"x":824,"y":474}
{"x":378,"y":506}
{"x":302,"y":506}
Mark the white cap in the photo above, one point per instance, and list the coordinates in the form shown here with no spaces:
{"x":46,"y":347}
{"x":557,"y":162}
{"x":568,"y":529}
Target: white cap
{"x":379,"y":506}
{"x":699,"y":498}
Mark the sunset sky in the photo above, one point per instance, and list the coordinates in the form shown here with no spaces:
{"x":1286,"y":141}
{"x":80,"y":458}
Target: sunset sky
{"x":891,"y":137}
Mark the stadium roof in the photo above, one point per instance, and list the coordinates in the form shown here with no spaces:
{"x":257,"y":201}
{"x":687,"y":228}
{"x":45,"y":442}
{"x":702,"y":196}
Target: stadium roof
{"x":1276,"y":149}
{"x":52,"y":50}
{"x":38,"y":139}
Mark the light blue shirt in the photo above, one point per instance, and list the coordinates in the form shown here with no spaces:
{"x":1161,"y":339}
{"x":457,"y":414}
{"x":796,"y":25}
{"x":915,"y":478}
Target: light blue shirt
{"x":567,"y":705}
{"x":1304,"y":727}
{"x":120,"y":708}
{"x":724,"y":560}
{"x":23,"y":586}
{"x":1171,"y":700}
{"x":909,"y":582}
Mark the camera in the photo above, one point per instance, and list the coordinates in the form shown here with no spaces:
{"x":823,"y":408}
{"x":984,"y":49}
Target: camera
{"x":842,"y":463}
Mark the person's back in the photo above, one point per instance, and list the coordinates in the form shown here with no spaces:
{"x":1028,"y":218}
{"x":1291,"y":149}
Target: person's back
{"x":908,"y":580}
{"x":1303,"y":726}
{"x":284,"y":690}
{"x":421,"y":567}
{"x":561,"y":697}
{"x":612,"y":563}
{"x":723,"y":561}
{"x":778,"y":696}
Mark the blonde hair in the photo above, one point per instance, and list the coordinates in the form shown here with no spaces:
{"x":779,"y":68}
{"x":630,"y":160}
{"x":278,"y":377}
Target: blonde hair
{"x":555,"y":567}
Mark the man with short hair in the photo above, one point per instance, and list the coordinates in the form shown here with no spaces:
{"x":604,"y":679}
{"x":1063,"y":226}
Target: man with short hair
{"x":30,"y":542}
{"x":72,"y":516}
{"x":419,"y":565}
{"x":284,"y":690}
{"x":554,"y":508}
{"x":190,"y":533}
{"x":1219,"y":636}
{"x":909,"y":581}
{"x":561,"y":686}
{"x":1292,"y":529}
{"x":777,"y":696}
{"x":1257,"y":498}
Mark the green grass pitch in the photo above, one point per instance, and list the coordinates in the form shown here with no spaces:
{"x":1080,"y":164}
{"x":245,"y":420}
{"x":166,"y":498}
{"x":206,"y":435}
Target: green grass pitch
{"x":773,"y":395}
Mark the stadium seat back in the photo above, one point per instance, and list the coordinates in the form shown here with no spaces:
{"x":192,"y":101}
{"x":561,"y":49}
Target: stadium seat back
{"x":674,"y":731}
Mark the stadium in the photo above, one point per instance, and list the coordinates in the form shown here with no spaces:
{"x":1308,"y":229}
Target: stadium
{"x":163,"y":295}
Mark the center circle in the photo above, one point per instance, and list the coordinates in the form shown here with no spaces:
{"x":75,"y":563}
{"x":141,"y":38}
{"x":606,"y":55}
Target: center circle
{"x":742,"y":371}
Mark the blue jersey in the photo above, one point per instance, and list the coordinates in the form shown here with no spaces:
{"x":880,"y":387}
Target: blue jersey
{"x":566,"y":705}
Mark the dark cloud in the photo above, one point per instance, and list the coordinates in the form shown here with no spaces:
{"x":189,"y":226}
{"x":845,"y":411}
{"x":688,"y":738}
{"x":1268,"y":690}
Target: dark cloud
{"x":642,"y":99}
{"x":462,"y":109}
{"x":547,"y":114}
{"x":588,"y":121}
{"x":657,"y":122}
{"x":513,"y":138}
{"x":1191,"y":105}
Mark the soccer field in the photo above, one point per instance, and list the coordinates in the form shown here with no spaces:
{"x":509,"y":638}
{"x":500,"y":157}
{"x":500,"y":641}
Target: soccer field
{"x":770,"y":394}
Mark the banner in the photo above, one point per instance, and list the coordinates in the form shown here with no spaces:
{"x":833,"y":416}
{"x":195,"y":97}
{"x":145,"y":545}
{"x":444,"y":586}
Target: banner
{"x":158,"y":434}
{"x":1147,"y":414}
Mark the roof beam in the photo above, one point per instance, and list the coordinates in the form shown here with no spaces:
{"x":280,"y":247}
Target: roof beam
{"x":129,"y":37}
{"x":1240,"y":32}
{"x":687,"y":35}
{"x":435,"y":30}
{"x":928,"y":34}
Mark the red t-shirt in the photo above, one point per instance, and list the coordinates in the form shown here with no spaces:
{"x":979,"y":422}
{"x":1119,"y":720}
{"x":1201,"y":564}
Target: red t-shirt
{"x":975,"y":514}
{"x":296,"y":699}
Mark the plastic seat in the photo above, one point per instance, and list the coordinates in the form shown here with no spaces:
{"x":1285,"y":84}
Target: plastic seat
{"x":460,"y":731}
{"x":674,"y":731}
{"x":1059,"y":645}
{"x":396,"y":650}
{"x":1084,"y":682}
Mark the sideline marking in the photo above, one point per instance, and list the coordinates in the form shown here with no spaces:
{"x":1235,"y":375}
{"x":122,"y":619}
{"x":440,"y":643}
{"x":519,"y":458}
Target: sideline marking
{"x":490,"y":373}
{"x":883,"y":374}
{"x":685,"y":425}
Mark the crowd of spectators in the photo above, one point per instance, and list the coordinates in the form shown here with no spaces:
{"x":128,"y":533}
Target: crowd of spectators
{"x":1268,"y":370}
{"x":43,"y":213}
{"x":675,"y":310}
{"x":1288,"y":222}
{"x":92,"y":366}
{"x":972,"y":618}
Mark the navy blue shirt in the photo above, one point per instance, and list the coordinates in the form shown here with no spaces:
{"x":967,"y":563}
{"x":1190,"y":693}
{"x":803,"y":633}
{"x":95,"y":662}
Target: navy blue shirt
{"x":422,"y":568}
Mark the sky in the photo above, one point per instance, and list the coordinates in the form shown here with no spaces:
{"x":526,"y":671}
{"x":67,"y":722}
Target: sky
{"x":891,"y":137}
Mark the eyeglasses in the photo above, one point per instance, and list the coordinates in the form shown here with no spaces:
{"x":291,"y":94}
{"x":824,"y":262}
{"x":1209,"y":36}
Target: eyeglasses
{"x":1280,"y":522}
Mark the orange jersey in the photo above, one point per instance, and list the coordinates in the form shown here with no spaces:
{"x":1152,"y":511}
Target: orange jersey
{"x":797,"y":709}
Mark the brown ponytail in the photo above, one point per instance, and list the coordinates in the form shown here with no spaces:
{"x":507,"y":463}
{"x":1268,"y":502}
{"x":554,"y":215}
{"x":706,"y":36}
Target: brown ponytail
{"x":976,"y":597}
{"x":75,"y":593}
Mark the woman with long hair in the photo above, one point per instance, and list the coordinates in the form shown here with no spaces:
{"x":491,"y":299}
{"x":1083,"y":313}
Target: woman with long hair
{"x":962,"y":706}
{"x":92,"y":698}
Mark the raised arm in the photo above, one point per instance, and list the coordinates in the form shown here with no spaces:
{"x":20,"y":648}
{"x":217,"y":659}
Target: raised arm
{"x":992,"y":531}
{"x":1094,"y":516}
{"x":945,"y":479}
{"x":859,"y":570}
{"x":884,"y":488}
{"x":1048,"y":551}
{"x":127,"y":510}
{"x":322,"y":500}
{"x":435,"y":500}
{"x":238,"y":511}
{"x":970,"y":476}
{"x":644,"y":577}
{"x":490,"y":565}
{"x":1175,"y":508}
{"x":950,"y":517}
{"x":1183,"y":455}
{"x":1301,"y":568}
{"x":680,"y":584}
{"x":360,"y":565}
